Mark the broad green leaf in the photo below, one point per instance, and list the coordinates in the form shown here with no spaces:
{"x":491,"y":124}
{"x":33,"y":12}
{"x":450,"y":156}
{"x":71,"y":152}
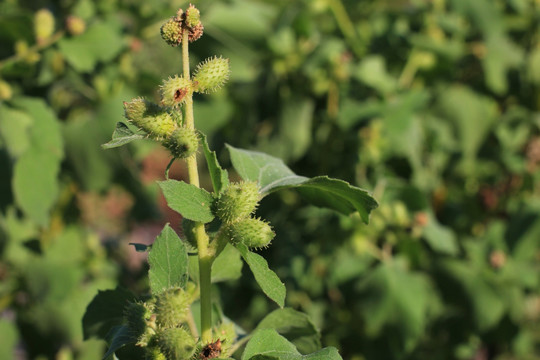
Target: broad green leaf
{"x":213,"y":114}
{"x":391,"y":296}
{"x":272,"y":175}
{"x":266,"y":278}
{"x":268,"y":344}
{"x":297,"y":327}
{"x":440,"y":238}
{"x":219,"y":176}
{"x":121,"y":136}
{"x":105,"y":311}
{"x":188,"y":200}
{"x":14,"y":130}
{"x":101,"y":42}
{"x":372,"y":71}
{"x":227,"y":266}
{"x":8,"y":340}
{"x":118,"y":337}
{"x":35,"y":184}
{"x":168,"y":261}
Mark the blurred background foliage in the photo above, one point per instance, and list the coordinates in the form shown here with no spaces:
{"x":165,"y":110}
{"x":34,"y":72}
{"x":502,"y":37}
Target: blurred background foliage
{"x":433,"y":105}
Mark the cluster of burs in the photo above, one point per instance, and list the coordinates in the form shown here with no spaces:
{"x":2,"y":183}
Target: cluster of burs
{"x":163,"y":325}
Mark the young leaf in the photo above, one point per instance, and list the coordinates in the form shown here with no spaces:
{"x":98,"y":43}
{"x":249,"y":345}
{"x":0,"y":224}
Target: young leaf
{"x":105,"y":311}
{"x":297,"y":327}
{"x":268,"y":344}
{"x":190,"y":201}
{"x":219,"y":176}
{"x":266,"y":278}
{"x":168,"y":261}
{"x":272,"y":175}
{"x":121,"y":136}
{"x":118,"y":337}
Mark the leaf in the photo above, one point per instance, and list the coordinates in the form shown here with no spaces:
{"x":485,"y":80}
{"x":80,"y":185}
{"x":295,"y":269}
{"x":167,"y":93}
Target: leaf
{"x":105,"y":311}
{"x":8,"y":340}
{"x":227,"y":266}
{"x":121,"y":136}
{"x":101,"y":42}
{"x":14,"y":130}
{"x":117,"y":338}
{"x":188,"y":200}
{"x":141,"y":247}
{"x":440,"y":238}
{"x":266,"y":278}
{"x":268,"y":344}
{"x":272,"y":175}
{"x":168,"y":261}
{"x":297,"y":327}
{"x":219,"y":176}
{"x":372,"y":71}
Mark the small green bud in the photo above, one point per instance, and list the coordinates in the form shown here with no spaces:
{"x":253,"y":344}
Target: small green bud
{"x":193,"y":16}
{"x":237,"y":201}
{"x":211,"y":74}
{"x":75,"y":25}
{"x":43,"y":25}
{"x":182,"y":143}
{"x":254,"y":233}
{"x":150,"y":117}
{"x":5,"y":90}
{"x":171,"y":31}
{"x":175,"y":90}
{"x":136,"y":316}
{"x":153,"y":353}
{"x":172,"y":308}
{"x":176,"y":343}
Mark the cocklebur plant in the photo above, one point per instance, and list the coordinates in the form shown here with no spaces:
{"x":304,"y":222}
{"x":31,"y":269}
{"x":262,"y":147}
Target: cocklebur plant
{"x":179,"y":320}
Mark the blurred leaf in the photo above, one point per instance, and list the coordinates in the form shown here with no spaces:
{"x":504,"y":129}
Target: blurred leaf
{"x":8,"y":339}
{"x":502,"y":56}
{"x":266,"y":278}
{"x":118,"y":337}
{"x":168,"y":261}
{"x":105,"y":311}
{"x":188,"y":200}
{"x":213,"y":114}
{"x":121,"y":136}
{"x":219,"y":176}
{"x":372,"y":72}
{"x":391,"y":296}
{"x":14,"y":129}
{"x":297,"y":327}
{"x":100,"y":42}
{"x":268,"y":344}
{"x":440,"y":238}
{"x":272,"y":175}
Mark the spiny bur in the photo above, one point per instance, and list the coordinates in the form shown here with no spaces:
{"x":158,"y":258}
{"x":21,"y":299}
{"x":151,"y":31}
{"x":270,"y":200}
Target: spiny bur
{"x":182,"y":143}
{"x":172,"y":308}
{"x":171,"y":31}
{"x":175,"y":91}
{"x":135,"y":316}
{"x":150,"y":118}
{"x":254,"y":233}
{"x":176,"y":343}
{"x":237,"y":201}
{"x":154,"y":353}
{"x":211,"y":74}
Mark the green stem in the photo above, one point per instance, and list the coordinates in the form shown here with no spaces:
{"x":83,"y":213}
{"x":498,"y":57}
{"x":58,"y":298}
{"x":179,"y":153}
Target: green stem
{"x":346,"y":26}
{"x":205,"y":255}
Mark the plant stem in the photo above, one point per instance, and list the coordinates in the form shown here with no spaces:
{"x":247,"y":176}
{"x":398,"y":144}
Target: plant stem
{"x":205,"y":256}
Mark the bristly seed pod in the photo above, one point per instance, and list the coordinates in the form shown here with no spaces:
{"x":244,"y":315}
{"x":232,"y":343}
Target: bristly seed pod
{"x":175,"y":91}
{"x":254,"y":233}
{"x":211,"y":74}
{"x":182,"y":143}
{"x":135,"y":315}
{"x":172,"y":308}
{"x":171,"y":31}
{"x":192,"y":16}
{"x":153,"y":353}
{"x":149,"y":117}
{"x":237,"y":201}
{"x":176,"y":343}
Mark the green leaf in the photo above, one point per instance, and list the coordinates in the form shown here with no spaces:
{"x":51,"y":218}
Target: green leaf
{"x":101,"y":42}
{"x":227,"y":266}
{"x":297,"y":327}
{"x":8,"y":340}
{"x":266,"y":278}
{"x":440,"y":238}
{"x":14,"y":130}
{"x":168,"y":261}
{"x":268,"y":344}
{"x":188,"y":200}
{"x":272,"y":175}
{"x":105,"y":311}
{"x":117,"y":338}
{"x":219,"y":176}
{"x":121,"y":136}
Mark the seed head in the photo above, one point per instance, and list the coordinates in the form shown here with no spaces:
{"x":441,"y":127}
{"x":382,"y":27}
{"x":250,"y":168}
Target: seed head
{"x":149,"y":117}
{"x":176,"y":343}
{"x":175,"y":90}
{"x":182,"y":143}
{"x":171,"y":308}
{"x":237,"y":201}
{"x":254,"y":233}
{"x":171,"y":31}
{"x":211,"y":74}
